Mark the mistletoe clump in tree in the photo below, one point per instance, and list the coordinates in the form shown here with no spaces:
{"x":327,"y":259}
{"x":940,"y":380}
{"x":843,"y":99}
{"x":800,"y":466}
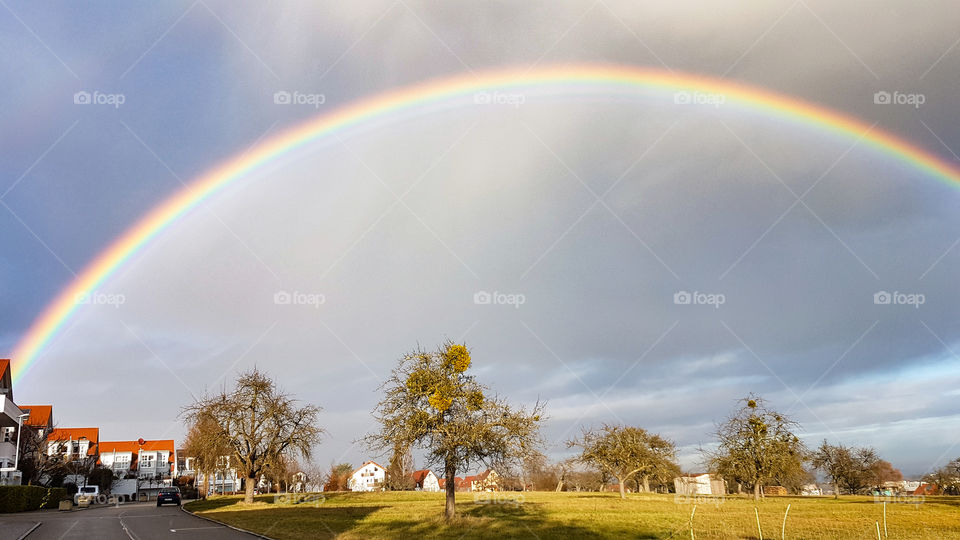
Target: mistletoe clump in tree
{"x":431,"y":403}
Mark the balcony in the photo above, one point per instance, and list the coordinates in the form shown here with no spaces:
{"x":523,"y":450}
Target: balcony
{"x":8,"y":451}
{"x":10,"y":414}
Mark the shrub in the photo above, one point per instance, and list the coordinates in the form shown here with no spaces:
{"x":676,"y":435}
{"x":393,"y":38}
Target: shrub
{"x":26,"y":498}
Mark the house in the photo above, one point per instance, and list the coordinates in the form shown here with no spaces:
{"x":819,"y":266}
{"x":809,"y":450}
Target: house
{"x":147,"y":459}
{"x":926,"y":489}
{"x":488,"y":480}
{"x":811,"y":490}
{"x":223,"y":480}
{"x":73,"y":443}
{"x":458,"y":484}
{"x":425,"y":480}
{"x":40,"y":419}
{"x":10,"y":418}
{"x":368,"y":477}
{"x":700,"y":484}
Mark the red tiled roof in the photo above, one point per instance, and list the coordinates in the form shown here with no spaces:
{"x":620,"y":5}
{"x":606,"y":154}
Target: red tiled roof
{"x":134,"y":447}
{"x":4,"y":366}
{"x":40,"y":415}
{"x":418,"y":476}
{"x":365,"y":464}
{"x":92,"y":434}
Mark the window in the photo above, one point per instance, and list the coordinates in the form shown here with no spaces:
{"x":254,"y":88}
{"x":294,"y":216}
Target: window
{"x":147,"y":461}
{"x":8,"y":434}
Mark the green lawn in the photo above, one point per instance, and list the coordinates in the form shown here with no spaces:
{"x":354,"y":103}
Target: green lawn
{"x":412,"y":515}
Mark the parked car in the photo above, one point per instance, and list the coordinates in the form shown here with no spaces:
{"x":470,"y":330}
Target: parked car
{"x":88,"y":492}
{"x":168,"y":495}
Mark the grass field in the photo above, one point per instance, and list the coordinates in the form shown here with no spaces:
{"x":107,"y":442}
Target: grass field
{"x":410,"y":515}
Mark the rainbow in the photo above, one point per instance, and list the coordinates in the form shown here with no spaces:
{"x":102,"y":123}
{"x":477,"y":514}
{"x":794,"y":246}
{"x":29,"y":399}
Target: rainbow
{"x":435,"y":93}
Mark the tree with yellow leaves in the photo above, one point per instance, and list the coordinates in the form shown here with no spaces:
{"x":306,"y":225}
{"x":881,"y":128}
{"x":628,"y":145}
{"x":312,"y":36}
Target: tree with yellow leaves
{"x":431,"y":403}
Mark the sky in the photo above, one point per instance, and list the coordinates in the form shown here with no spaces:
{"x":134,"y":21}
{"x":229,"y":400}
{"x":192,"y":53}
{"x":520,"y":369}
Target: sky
{"x":586,"y":218}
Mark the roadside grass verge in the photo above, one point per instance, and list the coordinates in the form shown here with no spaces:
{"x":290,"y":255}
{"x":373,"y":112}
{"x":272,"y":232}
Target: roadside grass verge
{"x":544,"y":515}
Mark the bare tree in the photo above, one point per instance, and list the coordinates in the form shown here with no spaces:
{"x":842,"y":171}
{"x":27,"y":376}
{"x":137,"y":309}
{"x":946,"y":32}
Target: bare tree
{"x":260,"y":423}
{"x":850,"y":469}
{"x":36,"y":463}
{"x":399,"y":474}
{"x":207,"y":446}
{"x":756,"y":444}
{"x":433,"y":404}
{"x":625,"y":451}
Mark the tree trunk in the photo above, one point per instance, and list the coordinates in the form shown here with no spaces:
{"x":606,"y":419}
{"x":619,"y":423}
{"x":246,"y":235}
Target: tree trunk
{"x":248,"y":491}
{"x":450,"y":473}
{"x":623,"y":494}
{"x":836,"y":490}
{"x":559,"y":486}
{"x":756,"y":490}
{"x":646,"y":483}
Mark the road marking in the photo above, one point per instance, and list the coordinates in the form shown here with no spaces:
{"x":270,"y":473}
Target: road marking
{"x":194,"y":528}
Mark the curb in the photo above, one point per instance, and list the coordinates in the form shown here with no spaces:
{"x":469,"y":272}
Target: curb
{"x":211,"y":520}
{"x":26,"y":534}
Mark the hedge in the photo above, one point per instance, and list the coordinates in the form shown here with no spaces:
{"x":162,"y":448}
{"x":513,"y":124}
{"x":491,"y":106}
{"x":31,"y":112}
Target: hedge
{"x":26,"y":498}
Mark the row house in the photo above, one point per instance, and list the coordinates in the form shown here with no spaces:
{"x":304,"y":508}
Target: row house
{"x":73,"y":443}
{"x":145,"y":459}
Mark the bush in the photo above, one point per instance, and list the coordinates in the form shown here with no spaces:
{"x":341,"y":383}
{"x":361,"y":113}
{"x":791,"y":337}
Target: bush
{"x":26,"y":498}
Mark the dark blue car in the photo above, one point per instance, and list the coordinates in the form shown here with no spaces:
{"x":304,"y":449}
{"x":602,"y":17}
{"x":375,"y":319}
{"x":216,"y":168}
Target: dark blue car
{"x":168,"y":495}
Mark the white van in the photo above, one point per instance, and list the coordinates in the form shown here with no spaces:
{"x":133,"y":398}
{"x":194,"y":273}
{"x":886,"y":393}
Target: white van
{"x":88,"y":492}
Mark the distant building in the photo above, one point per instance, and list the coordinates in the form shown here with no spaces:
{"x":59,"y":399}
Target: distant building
{"x":425,"y":480}
{"x":811,"y":490}
{"x":700,"y":484}
{"x":368,"y":477}
{"x":488,"y":480}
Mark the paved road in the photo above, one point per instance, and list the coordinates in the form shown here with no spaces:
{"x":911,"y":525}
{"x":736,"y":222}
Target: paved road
{"x":135,"y":521}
